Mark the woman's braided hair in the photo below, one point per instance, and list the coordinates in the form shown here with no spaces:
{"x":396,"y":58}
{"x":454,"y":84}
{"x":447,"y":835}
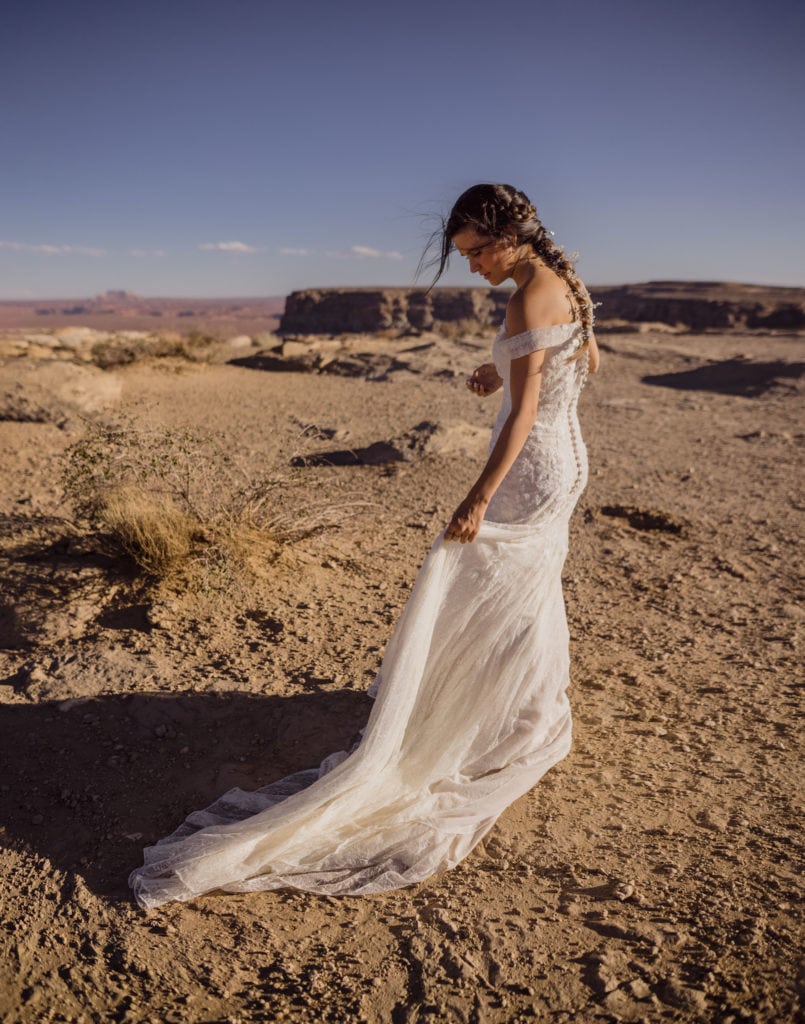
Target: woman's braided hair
{"x":498,"y":210}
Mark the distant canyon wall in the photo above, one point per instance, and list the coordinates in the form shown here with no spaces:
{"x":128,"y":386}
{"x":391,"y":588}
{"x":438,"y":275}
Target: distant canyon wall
{"x":358,"y":310}
{"x":694,"y":306}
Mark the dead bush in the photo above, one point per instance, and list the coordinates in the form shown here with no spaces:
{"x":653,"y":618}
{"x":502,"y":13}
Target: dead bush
{"x":178,"y":499}
{"x":121,"y":350}
{"x":150,"y":527}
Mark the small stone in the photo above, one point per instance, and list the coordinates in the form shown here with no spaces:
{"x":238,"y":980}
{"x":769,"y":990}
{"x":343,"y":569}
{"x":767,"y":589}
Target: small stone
{"x":623,"y":890}
{"x":639,"y":988}
{"x":714,"y":819}
{"x":674,"y":993}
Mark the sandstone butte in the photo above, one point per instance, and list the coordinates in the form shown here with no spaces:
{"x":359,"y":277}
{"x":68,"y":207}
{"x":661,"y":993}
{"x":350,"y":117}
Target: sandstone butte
{"x":686,"y":305}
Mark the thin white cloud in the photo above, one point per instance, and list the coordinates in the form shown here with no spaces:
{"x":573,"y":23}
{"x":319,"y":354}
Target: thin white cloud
{"x":142,"y":254}
{"x":226,"y":247}
{"x":366,"y":252}
{"x":52,"y":250}
{"x":356,"y":252}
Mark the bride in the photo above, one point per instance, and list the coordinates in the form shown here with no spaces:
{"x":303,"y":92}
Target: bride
{"x":470,"y":699}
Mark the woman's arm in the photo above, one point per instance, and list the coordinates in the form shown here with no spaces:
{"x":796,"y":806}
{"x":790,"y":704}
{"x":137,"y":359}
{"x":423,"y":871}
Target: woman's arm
{"x":526,"y":376}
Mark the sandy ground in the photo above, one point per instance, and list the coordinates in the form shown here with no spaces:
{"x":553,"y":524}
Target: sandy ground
{"x":652,"y":876}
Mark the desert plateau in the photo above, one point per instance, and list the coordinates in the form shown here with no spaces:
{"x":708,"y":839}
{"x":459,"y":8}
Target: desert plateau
{"x":653,"y":876}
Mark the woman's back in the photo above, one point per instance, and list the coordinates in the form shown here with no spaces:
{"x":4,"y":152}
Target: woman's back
{"x":550,"y":472}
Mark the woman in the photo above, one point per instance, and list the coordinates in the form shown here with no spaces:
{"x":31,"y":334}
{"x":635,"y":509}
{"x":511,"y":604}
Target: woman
{"x":470,"y":706}
{"x":496,"y":228}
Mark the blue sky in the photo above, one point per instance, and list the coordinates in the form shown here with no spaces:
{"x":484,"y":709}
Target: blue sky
{"x":250,"y":147}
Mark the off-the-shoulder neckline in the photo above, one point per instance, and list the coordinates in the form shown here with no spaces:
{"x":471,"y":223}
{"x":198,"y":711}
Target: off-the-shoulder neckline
{"x":534,"y":330}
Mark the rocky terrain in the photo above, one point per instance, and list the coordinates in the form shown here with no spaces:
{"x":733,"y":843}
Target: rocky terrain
{"x":654,"y":875}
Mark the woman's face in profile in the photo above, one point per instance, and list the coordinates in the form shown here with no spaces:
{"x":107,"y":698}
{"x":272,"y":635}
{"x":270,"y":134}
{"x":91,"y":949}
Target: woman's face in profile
{"x":489,"y":257}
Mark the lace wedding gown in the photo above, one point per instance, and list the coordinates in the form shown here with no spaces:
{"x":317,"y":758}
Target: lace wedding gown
{"x":470,"y":707}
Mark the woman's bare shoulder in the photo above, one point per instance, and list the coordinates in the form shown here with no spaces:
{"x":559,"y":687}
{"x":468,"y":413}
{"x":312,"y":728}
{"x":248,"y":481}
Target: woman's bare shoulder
{"x":542,"y":302}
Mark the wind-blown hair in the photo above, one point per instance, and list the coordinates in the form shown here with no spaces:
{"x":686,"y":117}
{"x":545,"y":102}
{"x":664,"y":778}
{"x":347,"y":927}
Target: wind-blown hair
{"x":499,"y":211}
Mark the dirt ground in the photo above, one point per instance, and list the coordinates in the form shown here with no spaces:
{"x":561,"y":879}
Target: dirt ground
{"x":651,"y":876}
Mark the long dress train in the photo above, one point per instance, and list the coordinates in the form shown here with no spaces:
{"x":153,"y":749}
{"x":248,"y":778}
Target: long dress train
{"x":470,"y":703}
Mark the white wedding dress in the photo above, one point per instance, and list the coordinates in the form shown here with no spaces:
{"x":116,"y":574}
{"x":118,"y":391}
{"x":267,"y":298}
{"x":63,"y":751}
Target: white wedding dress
{"x":470,"y":707}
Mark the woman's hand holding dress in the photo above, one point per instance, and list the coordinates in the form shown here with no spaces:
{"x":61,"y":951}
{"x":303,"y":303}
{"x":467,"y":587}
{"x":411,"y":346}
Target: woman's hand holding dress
{"x":466,"y":521}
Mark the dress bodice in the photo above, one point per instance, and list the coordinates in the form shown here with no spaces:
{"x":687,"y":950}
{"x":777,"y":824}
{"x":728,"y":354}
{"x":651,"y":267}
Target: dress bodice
{"x":561,"y":380}
{"x":551,"y":470}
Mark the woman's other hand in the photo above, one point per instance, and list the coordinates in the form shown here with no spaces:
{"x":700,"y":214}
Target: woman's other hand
{"x":466,"y":521}
{"x":484,"y":381}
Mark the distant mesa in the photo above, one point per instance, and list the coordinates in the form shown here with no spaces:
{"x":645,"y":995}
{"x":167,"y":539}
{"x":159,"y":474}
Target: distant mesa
{"x":112,"y":301}
{"x":118,"y":295}
{"x":703,"y":305}
{"x":369,"y":310}
{"x":683,"y":305}
{"x":120,"y":309}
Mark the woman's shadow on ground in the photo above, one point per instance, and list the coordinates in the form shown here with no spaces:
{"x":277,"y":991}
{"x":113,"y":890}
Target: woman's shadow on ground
{"x":87,"y":783}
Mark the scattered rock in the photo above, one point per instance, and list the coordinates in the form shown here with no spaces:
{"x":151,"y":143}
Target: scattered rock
{"x":605,"y":970}
{"x":623,"y":890}
{"x":51,"y":392}
{"x":714,"y":818}
{"x":639,"y":988}
{"x":674,"y":993}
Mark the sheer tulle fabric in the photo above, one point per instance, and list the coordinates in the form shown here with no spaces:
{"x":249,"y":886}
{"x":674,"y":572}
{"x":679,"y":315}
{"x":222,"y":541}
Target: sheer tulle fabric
{"x":470,"y":707}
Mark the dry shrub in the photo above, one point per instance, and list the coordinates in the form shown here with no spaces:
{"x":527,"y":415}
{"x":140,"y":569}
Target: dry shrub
{"x":179,"y":500}
{"x":150,"y":527}
{"x":121,"y":350}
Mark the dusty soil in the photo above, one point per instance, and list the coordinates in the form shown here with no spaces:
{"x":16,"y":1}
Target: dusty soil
{"x":652,"y":876}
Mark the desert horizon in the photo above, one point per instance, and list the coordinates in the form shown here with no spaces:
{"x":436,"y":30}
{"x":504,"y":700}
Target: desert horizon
{"x":118,"y":309}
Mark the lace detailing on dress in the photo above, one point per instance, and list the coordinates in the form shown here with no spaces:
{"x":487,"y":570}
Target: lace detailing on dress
{"x":550,"y":472}
{"x":470,"y":708}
